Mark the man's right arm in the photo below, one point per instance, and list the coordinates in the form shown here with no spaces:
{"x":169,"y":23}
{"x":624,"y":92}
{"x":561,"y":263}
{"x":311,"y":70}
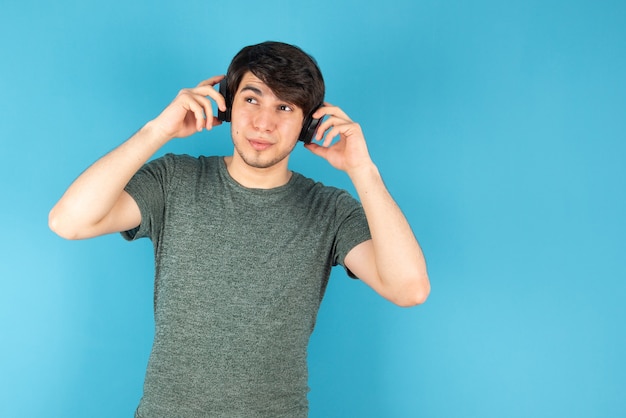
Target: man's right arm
{"x":96,"y":203}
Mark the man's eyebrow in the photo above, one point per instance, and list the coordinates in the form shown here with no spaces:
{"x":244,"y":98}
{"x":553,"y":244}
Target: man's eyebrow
{"x":252,"y":89}
{"x":258,"y":92}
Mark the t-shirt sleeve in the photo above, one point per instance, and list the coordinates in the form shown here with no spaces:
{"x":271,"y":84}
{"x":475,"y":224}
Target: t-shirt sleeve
{"x":149,"y":188}
{"x":352,"y":228}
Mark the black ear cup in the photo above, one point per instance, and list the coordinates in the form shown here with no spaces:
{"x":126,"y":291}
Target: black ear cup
{"x":308,"y":128}
{"x":225,"y":116}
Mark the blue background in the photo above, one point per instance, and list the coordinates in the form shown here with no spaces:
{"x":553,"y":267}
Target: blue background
{"x":498,"y":127}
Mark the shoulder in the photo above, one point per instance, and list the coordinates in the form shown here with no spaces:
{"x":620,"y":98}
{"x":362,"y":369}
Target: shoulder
{"x":310,"y":185}
{"x":324,"y":195}
{"x":306,"y":186}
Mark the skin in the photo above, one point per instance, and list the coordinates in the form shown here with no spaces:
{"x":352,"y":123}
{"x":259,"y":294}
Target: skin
{"x":264,"y":131}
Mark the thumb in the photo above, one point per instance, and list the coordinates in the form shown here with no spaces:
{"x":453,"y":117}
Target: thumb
{"x":317,"y":149}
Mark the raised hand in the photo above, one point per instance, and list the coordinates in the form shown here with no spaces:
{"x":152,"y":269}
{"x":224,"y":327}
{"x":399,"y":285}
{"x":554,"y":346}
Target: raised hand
{"x":191,"y":111}
{"x":350,"y":151}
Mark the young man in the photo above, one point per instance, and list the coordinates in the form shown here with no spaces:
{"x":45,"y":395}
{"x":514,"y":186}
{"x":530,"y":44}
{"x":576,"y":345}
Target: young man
{"x":244,"y":246}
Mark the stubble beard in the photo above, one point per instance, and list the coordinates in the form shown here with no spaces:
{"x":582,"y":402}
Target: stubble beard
{"x":256,"y":159}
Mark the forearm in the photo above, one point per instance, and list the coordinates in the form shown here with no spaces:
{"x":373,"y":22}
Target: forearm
{"x":96,"y":191}
{"x":399,"y":259}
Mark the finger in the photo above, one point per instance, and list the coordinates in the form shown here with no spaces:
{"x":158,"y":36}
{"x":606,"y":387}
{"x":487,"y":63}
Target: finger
{"x":330,"y":135}
{"x":316,"y":149}
{"x":198,"y":111}
{"x":207,"y":88}
{"x":327,"y":124}
{"x":209,"y":91}
{"x":200,"y":106}
{"x":345,"y":130}
{"x":330,"y":110}
{"x":211,"y":81}
{"x":203,"y":91}
{"x":216,"y":96}
{"x":207,"y":108}
{"x":322,"y":128}
{"x":215,"y":122}
{"x":212,"y":92}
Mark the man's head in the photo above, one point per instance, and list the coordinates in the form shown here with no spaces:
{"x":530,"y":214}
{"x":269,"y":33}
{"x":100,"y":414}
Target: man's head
{"x":292,"y":74}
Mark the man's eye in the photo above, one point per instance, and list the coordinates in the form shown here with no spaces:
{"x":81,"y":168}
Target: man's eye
{"x":285,"y":108}
{"x":251,"y":100}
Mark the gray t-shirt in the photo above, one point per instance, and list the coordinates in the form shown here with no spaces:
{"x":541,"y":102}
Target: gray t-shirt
{"x":240,"y":274}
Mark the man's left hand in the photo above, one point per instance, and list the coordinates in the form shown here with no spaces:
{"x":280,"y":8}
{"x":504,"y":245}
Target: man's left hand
{"x":350,"y":152}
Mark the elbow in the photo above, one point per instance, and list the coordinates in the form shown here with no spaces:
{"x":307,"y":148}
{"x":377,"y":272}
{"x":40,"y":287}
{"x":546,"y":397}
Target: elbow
{"x":62,"y":229}
{"x":422,"y":294}
{"x":414,"y":293}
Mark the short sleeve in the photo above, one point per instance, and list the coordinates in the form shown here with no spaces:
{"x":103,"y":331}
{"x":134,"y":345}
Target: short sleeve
{"x":352,"y":228}
{"x":149,"y":188}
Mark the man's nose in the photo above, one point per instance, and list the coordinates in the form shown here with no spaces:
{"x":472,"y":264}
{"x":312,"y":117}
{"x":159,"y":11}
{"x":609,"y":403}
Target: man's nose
{"x":265,"y":119}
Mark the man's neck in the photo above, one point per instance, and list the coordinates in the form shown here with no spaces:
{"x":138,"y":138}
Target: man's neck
{"x":257,"y":178}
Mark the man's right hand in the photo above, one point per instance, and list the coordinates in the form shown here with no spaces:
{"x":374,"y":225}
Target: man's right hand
{"x":191,"y":111}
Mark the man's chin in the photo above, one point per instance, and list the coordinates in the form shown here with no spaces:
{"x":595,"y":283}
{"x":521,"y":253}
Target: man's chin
{"x":262,"y":161}
{"x":264,"y":158}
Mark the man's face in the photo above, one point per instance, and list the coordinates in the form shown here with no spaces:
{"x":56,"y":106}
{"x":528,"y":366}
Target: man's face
{"x":264,"y":128}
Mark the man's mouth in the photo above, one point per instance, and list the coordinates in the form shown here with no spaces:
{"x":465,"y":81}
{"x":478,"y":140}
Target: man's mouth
{"x":259,"y":144}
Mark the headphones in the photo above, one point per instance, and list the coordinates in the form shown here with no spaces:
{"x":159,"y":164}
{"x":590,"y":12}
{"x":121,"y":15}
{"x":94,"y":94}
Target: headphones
{"x":309,"y":125}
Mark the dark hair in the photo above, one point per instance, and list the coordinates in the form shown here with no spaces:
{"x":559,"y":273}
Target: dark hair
{"x":291,"y":73}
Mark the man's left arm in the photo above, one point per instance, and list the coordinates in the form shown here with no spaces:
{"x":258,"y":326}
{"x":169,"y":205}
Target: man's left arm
{"x":392,"y":262}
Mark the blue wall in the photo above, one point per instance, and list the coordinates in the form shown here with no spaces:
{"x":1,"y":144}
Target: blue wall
{"x":498,"y":126}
